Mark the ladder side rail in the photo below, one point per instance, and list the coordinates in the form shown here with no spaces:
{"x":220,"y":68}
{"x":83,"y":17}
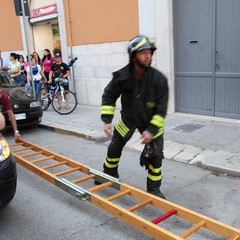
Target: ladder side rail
{"x":235,"y":237}
{"x":184,"y":213}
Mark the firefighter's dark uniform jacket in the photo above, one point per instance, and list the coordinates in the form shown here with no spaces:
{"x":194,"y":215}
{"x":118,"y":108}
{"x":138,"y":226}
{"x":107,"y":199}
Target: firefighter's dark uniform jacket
{"x":144,"y":101}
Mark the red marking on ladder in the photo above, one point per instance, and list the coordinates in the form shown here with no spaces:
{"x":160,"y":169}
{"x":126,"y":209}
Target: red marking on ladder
{"x":164,"y":216}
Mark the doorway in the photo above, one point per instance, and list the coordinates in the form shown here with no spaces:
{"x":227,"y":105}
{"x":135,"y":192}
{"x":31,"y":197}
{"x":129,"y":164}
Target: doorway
{"x":46,"y":35}
{"x":206,"y":53}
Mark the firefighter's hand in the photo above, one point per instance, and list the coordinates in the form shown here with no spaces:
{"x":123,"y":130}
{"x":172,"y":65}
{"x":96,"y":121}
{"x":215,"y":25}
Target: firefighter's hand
{"x":107,"y":127}
{"x":146,"y":137}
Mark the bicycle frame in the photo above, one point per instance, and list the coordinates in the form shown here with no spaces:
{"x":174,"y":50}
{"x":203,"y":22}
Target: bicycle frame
{"x":53,"y":90}
{"x":57,"y":95}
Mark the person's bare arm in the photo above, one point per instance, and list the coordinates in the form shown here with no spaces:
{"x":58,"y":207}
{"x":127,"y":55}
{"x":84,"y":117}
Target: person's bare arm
{"x":66,"y":74}
{"x":50,"y":77}
{"x":4,"y":68}
{"x":2,"y":121}
{"x":14,"y":123}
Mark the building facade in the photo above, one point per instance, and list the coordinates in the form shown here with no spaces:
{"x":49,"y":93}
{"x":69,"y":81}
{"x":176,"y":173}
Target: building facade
{"x":191,"y":46}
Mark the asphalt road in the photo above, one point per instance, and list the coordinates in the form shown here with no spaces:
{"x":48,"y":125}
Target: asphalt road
{"x":41,"y":211}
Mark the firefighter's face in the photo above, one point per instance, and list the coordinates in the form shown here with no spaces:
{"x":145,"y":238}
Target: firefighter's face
{"x":143,"y":57}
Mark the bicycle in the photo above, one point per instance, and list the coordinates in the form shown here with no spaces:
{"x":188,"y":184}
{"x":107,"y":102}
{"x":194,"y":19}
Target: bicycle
{"x":57,"y":96}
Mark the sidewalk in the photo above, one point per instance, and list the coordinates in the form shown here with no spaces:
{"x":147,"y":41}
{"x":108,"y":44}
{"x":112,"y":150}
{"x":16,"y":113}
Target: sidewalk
{"x":212,"y":143}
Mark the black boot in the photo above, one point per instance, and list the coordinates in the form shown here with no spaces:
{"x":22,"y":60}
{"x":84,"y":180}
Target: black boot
{"x":110,"y":171}
{"x":153,"y":187}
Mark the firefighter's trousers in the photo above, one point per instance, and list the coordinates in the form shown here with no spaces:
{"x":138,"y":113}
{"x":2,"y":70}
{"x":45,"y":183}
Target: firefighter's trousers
{"x":114,"y":153}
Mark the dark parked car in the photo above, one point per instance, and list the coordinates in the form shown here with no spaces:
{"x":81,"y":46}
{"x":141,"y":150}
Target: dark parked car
{"x":8,"y":175}
{"x":26,"y":108}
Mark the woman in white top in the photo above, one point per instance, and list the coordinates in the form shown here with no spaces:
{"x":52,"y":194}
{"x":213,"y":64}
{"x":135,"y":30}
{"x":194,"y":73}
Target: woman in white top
{"x":15,"y":72}
{"x":37,"y":76}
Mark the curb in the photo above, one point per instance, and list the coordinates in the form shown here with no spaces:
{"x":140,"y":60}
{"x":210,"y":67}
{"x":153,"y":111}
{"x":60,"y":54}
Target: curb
{"x":72,"y":133}
{"x":66,"y":132}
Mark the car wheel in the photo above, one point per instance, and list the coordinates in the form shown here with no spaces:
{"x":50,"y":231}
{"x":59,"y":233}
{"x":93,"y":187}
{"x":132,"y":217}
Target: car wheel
{"x":8,"y":194}
{"x":8,"y":181}
{"x":3,"y":131}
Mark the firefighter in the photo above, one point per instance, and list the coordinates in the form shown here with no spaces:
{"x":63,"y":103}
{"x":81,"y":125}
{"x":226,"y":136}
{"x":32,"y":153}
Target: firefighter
{"x":144,"y":98}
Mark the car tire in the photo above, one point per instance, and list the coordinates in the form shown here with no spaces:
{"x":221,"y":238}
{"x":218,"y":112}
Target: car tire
{"x":8,"y":181}
{"x":7,"y":196}
{"x":4,"y":130}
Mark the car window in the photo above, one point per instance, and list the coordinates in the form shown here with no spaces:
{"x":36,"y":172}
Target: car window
{"x":6,"y":80}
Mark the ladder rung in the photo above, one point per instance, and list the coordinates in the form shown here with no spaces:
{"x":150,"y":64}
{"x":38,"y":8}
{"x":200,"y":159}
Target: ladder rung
{"x":118,"y":195}
{"x":139,"y":205}
{"x":42,"y":159}
{"x":101,"y":186}
{"x":164,"y":216}
{"x":82,"y":179}
{"x":68,"y":171}
{"x":16,"y":144}
{"x":22,"y":149}
{"x":235,"y":237}
{"x":54,"y":165}
{"x":32,"y":154}
{"x":193,"y":229}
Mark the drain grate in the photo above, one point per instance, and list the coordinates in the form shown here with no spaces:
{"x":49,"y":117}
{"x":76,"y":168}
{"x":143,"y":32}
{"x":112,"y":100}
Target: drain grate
{"x":188,"y":128}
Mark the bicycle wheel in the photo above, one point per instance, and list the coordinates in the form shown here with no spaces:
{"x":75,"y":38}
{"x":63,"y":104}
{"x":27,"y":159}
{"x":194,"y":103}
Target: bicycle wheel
{"x":60,"y":105}
{"x":44,"y":98}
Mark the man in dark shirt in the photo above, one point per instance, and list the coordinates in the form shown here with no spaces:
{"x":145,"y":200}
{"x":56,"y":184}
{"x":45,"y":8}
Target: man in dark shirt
{"x":59,"y":69}
{"x":5,"y":101}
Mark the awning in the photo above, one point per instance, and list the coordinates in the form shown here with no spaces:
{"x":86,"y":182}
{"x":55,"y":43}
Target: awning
{"x":44,"y":18}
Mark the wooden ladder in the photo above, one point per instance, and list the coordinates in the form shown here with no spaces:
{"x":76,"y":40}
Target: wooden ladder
{"x":44,"y":163}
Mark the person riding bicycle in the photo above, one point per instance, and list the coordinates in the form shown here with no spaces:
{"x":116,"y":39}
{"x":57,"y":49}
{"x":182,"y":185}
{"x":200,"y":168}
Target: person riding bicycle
{"x":59,"y":69}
